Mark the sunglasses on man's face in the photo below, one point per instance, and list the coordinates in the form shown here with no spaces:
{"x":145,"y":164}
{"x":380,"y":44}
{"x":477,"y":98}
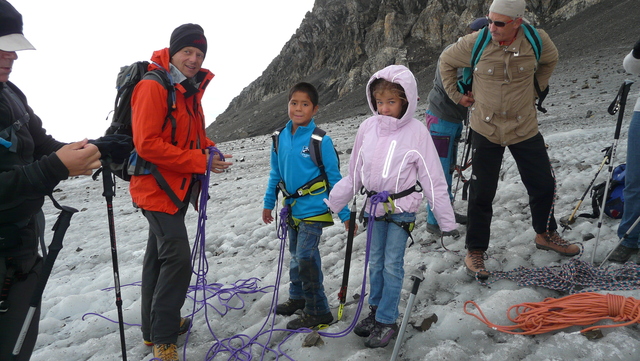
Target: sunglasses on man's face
{"x":500,"y":24}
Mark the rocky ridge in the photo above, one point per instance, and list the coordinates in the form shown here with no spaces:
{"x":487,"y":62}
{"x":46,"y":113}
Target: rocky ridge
{"x":342,"y":42}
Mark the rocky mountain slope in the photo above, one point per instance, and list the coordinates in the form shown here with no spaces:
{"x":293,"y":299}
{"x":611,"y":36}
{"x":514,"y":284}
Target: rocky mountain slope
{"x":342,"y":42}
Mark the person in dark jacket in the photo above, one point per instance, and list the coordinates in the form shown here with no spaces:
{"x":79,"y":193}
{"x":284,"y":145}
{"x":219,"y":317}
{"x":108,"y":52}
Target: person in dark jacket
{"x":32,"y":163}
{"x":444,"y":120}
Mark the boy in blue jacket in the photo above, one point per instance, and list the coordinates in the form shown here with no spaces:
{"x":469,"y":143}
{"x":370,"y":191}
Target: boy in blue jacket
{"x":305,"y":187}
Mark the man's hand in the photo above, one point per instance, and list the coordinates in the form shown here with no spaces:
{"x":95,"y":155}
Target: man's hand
{"x":218,"y":166}
{"x":467,"y":100}
{"x":80,"y":158}
{"x":266,"y":216}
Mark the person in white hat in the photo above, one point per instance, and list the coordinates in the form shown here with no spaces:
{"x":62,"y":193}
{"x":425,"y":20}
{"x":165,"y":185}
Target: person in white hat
{"x":503,"y":114}
{"x":32,"y":163}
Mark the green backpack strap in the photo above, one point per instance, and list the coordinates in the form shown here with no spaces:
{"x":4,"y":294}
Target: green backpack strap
{"x":464,"y":85}
{"x":534,"y":38}
{"x":536,"y":43}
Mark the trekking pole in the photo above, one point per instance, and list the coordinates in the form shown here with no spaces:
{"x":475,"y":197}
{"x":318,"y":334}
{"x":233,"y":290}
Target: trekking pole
{"x":464,"y":164}
{"x":342,"y":295}
{"x":417,"y":278}
{"x":617,"y":106}
{"x":107,"y":182}
{"x":621,"y":239}
{"x":59,"y":228}
{"x":572,"y":218}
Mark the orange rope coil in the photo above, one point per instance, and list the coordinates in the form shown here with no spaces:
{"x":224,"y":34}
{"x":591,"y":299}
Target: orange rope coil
{"x":574,"y":310}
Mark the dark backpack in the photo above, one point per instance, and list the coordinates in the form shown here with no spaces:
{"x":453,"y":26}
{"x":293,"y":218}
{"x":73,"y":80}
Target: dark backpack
{"x":119,"y":137}
{"x":614,"y":204}
{"x":465,"y":84}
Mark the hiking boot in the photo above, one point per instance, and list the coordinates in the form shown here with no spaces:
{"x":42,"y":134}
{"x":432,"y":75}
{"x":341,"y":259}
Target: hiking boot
{"x":166,"y":352}
{"x":622,"y":254}
{"x":185,"y":323}
{"x":460,"y":218}
{"x":381,"y":335}
{"x":290,"y":307}
{"x":309,"y":321}
{"x":435,"y":230}
{"x":551,"y":241}
{"x":474,"y":261}
{"x":364,"y":327}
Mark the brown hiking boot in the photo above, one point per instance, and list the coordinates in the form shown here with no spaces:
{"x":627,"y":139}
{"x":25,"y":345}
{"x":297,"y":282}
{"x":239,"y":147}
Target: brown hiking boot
{"x":166,"y":352}
{"x":474,"y":261}
{"x":551,"y":241}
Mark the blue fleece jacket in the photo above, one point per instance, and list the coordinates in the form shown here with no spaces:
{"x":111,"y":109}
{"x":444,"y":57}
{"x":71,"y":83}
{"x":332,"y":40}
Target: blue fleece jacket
{"x":293,"y":165}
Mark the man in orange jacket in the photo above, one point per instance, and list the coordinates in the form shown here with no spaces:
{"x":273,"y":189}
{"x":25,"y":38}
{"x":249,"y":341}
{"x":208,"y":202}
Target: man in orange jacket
{"x":179,"y":152}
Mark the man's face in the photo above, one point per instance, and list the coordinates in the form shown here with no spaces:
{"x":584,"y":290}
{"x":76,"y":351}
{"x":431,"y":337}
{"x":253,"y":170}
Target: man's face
{"x":188,"y":60}
{"x":6,"y":63}
{"x":506,"y":32}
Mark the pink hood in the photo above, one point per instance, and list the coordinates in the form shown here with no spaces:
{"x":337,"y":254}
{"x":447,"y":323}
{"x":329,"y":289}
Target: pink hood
{"x":391,"y":154}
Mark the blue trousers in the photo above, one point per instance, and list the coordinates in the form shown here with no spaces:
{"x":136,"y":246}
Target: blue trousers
{"x":305,"y":268}
{"x":386,"y":266}
{"x":446,"y":136}
{"x":632,"y":186}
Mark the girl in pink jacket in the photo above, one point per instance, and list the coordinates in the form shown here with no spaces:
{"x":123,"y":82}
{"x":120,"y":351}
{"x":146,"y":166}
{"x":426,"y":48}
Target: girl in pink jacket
{"x":393,"y":153}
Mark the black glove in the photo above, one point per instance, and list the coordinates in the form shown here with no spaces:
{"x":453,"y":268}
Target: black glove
{"x":636,"y":50}
{"x":114,"y":147}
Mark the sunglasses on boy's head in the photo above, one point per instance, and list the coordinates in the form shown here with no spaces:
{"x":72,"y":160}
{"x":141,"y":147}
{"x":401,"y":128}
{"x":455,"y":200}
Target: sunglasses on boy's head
{"x":500,"y":24}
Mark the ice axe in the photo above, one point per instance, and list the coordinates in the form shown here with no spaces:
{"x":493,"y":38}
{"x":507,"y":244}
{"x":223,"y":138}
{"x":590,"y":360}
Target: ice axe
{"x":417,"y":277}
{"x":59,"y":228}
{"x":342,"y":295}
{"x":572,"y":218}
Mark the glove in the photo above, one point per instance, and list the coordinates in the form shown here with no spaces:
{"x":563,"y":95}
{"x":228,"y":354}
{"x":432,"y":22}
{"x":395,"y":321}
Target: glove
{"x":636,"y":50}
{"x":114,"y":147}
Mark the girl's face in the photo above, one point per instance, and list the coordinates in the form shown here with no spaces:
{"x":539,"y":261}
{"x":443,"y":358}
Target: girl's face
{"x":389,"y":104}
{"x":301,"y":109}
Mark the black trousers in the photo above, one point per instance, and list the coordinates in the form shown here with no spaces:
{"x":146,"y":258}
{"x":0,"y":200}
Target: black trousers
{"x":535,"y":171}
{"x":166,"y":274}
{"x":26,"y":270}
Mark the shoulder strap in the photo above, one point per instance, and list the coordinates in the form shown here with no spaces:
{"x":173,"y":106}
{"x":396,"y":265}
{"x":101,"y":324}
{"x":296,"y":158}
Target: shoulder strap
{"x":534,"y":38}
{"x":163,"y":77}
{"x":275,"y":136}
{"x":315,"y":148}
{"x":483,"y":39}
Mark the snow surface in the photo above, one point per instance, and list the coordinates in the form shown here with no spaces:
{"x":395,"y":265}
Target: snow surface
{"x":239,"y":246}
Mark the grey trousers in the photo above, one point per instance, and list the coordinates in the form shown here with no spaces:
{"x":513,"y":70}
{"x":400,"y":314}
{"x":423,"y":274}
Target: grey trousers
{"x":166,"y":273}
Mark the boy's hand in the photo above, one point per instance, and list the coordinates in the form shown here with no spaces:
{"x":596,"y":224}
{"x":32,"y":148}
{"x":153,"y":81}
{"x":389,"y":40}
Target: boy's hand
{"x":346,"y":227}
{"x":266,"y":216}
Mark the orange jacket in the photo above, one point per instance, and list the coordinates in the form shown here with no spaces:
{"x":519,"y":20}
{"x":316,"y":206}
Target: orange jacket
{"x":177,"y":163}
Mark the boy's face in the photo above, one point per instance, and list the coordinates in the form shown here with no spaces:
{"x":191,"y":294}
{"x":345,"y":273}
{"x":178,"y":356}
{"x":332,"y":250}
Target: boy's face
{"x":301,"y":109}
{"x":389,"y":104}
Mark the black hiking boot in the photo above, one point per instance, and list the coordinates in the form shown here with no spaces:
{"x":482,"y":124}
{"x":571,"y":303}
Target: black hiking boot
{"x":364,"y":327}
{"x":381,"y":335}
{"x":622,"y":254}
{"x":290,"y":307}
{"x":310,"y":321}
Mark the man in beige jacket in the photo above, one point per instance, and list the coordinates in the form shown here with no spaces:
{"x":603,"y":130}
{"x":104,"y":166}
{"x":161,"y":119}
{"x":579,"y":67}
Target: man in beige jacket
{"x":503,"y":114}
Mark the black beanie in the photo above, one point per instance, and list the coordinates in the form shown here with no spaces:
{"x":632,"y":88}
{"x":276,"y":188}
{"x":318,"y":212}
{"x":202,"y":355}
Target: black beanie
{"x":187,"y":35}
